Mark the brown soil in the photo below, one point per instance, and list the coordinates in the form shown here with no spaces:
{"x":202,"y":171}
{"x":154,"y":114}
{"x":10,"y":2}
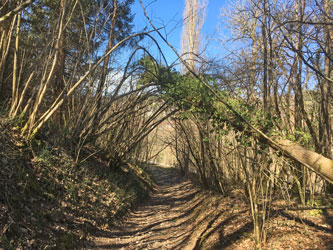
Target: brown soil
{"x":178,"y":215}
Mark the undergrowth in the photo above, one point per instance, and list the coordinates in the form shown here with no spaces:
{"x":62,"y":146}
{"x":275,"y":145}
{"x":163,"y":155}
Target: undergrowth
{"x":49,"y":202}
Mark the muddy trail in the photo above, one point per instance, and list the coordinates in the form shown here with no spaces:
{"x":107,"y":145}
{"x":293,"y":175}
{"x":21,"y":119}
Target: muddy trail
{"x":177,"y":215}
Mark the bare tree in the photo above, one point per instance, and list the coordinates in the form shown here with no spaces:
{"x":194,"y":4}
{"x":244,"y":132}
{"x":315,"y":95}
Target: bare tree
{"x":193,"y":18}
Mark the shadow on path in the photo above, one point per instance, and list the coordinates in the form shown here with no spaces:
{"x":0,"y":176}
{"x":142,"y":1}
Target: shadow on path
{"x":175,"y":216}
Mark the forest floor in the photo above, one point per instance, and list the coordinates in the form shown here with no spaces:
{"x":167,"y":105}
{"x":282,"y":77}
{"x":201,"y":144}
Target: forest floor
{"x":48,"y":200}
{"x":178,"y":215}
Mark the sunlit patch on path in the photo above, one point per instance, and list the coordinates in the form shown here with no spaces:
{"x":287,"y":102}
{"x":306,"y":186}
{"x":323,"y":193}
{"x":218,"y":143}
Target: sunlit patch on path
{"x":176,"y":216}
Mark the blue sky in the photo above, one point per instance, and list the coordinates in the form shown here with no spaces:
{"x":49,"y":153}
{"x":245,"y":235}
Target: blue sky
{"x":169,"y":13}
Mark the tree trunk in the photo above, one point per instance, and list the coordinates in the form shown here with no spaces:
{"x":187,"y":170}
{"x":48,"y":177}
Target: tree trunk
{"x":101,"y":84}
{"x":311,"y":159}
{"x":59,"y":72}
{"x":15,"y":83}
{"x":265,"y":59}
{"x":6,"y":30}
{"x":325,"y":88}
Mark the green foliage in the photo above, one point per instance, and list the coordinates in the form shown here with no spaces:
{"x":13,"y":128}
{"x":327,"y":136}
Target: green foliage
{"x":196,"y":101}
{"x":315,"y":203}
{"x":66,"y":241}
{"x":300,"y":136}
{"x":45,"y":14}
{"x":190,"y":95}
{"x":154,"y":73}
{"x":46,"y":157}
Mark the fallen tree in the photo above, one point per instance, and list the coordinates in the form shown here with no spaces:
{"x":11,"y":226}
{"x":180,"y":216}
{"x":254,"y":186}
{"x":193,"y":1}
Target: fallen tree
{"x":310,"y":159}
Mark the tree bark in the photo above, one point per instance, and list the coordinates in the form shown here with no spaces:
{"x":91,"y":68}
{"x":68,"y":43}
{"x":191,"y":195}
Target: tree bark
{"x":265,"y":57}
{"x":59,"y":72}
{"x":325,"y":88}
{"x":11,"y":13}
{"x":311,"y":159}
{"x":105,"y":64}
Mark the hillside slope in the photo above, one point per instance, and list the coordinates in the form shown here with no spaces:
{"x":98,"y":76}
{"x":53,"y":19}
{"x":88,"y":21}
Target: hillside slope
{"x":49,"y":201}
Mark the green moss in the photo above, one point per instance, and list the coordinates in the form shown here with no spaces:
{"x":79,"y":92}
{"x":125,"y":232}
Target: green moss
{"x":65,"y":241}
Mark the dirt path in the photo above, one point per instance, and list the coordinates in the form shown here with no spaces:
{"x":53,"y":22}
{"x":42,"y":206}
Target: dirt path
{"x":180,"y":216}
{"x":170,"y":219}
